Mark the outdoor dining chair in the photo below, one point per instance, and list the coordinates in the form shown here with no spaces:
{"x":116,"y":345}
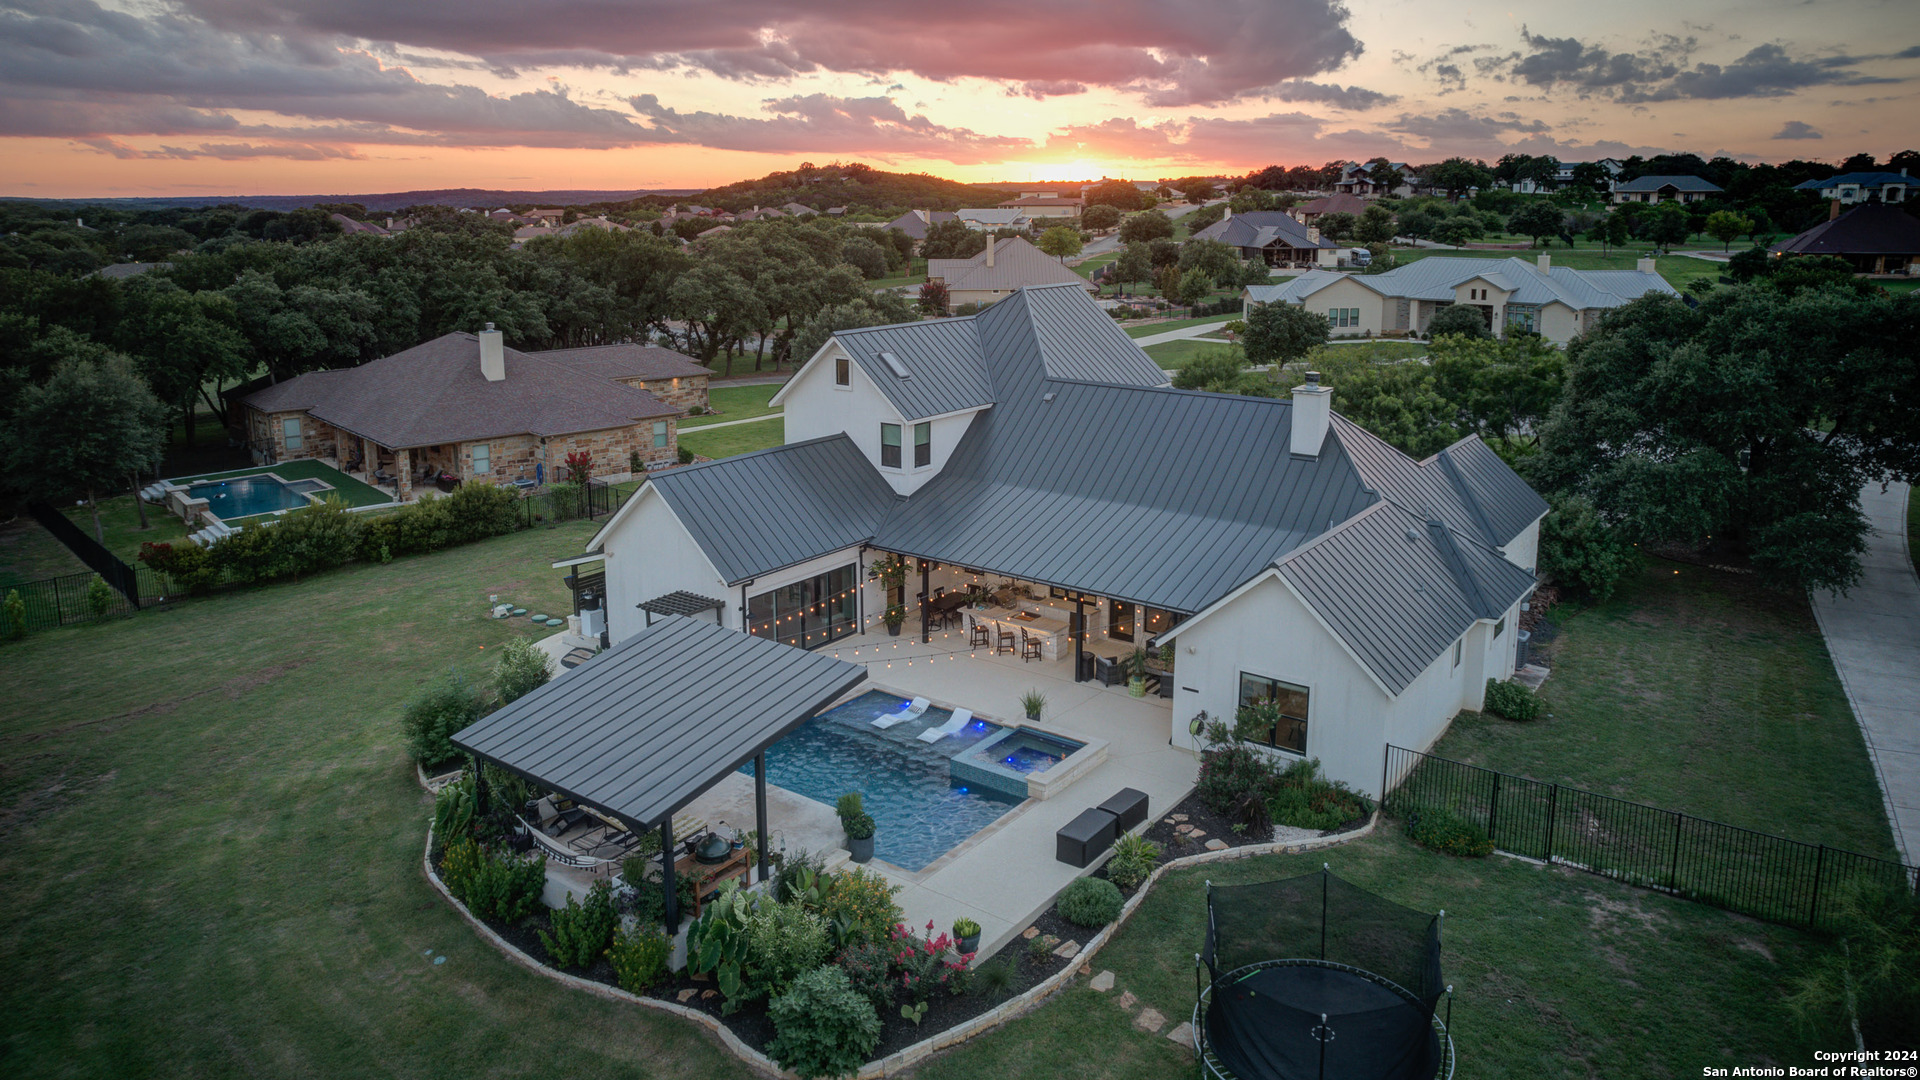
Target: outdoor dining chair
{"x":977,"y":635}
{"x":1029,"y":647}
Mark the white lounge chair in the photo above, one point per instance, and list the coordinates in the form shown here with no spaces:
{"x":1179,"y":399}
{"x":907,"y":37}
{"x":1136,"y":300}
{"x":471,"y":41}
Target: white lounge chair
{"x":934,"y":735}
{"x":912,"y":709}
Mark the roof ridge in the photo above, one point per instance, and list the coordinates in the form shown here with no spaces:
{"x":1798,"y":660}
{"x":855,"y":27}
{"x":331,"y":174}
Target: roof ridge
{"x":1338,"y":529}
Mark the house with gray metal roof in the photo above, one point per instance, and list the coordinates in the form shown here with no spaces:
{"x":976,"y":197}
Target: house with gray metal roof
{"x":1275,"y":549}
{"x":1556,"y":302}
{"x":1004,"y":265}
{"x":1274,"y":236}
{"x":1653,"y":189}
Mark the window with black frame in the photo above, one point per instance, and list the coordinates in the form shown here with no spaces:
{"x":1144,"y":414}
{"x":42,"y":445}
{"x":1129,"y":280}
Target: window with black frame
{"x":1273,"y":712}
{"x":922,"y":444}
{"x":890,"y":446}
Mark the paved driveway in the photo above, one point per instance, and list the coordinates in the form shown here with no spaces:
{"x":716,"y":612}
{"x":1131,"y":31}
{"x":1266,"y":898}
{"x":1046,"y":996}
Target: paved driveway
{"x":1874,"y":635}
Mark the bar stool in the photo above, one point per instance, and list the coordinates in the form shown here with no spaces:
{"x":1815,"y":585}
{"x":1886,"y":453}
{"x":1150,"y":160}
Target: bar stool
{"x":1005,"y":640}
{"x":977,"y":635}
{"x":1029,"y":647}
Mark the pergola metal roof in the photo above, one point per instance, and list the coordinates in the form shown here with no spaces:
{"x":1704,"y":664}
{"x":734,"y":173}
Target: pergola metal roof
{"x":646,"y":727}
{"x":681,"y":602}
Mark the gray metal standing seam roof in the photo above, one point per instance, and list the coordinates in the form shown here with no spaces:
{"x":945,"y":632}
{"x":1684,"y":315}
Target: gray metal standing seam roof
{"x":642,"y":729}
{"x":1089,"y":474}
{"x":1400,"y":592}
{"x":774,"y":508}
{"x":942,"y":359}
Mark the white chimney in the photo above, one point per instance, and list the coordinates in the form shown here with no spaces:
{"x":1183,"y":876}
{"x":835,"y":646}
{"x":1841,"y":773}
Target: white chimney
{"x":1228,"y":216}
{"x":493,"y":355}
{"x":992,"y":242}
{"x":1545,"y":262}
{"x":1312,"y":406}
{"x":1645,"y":265}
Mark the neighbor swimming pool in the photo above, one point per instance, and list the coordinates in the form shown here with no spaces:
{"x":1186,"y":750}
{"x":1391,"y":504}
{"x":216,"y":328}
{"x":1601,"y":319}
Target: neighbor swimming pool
{"x":245,"y":496}
{"x":921,"y":811}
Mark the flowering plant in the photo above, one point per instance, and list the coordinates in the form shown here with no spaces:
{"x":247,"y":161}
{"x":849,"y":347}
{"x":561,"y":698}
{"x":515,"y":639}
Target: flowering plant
{"x":579,"y":467}
{"x":923,"y":962}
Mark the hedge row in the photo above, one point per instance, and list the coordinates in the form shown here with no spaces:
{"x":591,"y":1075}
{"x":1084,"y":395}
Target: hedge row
{"x":324,"y":536}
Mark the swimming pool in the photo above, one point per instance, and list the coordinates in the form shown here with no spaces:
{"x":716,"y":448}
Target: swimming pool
{"x":921,"y":810}
{"x":245,"y":496}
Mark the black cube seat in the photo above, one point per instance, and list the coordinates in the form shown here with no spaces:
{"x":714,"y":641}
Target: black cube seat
{"x":1081,"y":840}
{"x":1129,"y":808}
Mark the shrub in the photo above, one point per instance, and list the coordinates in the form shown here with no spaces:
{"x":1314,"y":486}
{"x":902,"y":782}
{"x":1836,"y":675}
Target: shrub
{"x":1039,"y":948}
{"x":869,"y":968}
{"x":786,"y":880}
{"x":639,"y":957}
{"x":579,"y":466}
{"x":686,"y":456}
{"x":1449,"y":834}
{"x":186,"y":566}
{"x":860,"y":827}
{"x":1878,"y":972}
{"x":649,"y":903}
{"x":1305,"y":800}
{"x":1580,"y":551}
{"x":582,"y":932}
{"x":453,"y":811}
{"x":99,"y":597}
{"x":1512,"y":701}
{"x":783,"y":941}
{"x":563,"y":501}
{"x":823,"y":1026}
{"x":435,"y":713}
{"x":1228,"y":774}
{"x":861,"y":903}
{"x":849,"y":805}
{"x":637,"y":464}
{"x":994,"y":978}
{"x":1090,"y":902}
{"x":1134,"y":857}
{"x":521,"y":669}
{"x":13,"y":614}
{"x":492,"y":886}
{"x":923,"y":964}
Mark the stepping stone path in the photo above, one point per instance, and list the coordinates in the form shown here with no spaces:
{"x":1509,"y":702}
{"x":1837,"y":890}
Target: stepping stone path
{"x":687,"y":995}
{"x":1178,"y":817}
{"x":1030,"y":933}
{"x":1183,"y":1035}
{"x":1102,"y":982}
{"x":1149,"y":1021}
{"x":1127,"y":1000}
{"x":1195,"y":834}
{"x":1216,"y":845}
{"x":1068,"y":951}
{"x":1183,"y":829}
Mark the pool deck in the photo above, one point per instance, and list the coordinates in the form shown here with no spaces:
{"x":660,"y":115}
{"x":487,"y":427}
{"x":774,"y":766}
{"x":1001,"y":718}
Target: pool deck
{"x":1005,"y":875}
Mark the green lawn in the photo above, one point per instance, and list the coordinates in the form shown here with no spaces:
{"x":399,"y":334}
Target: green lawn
{"x":1087,"y":268}
{"x":735,"y":403}
{"x":1149,"y":329}
{"x":1369,"y":350}
{"x":743,"y":439}
{"x":1172,"y":355}
{"x":1555,"y":974}
{"x":213,"y":852}
{"x":1699,"y":691}
{"x":916,"y":275}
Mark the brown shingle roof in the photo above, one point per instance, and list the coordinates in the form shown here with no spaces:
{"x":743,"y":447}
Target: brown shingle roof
{"x":434,"y":393}
{"x":1870,"y":229}
{"x":1016,"y":264}
{"x":629,"y":361}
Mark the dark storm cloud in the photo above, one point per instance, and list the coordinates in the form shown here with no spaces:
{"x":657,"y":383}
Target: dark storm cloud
{"x":1664,"y":70}
{"x":1794,"y":129}
{"x":1340,"y":97}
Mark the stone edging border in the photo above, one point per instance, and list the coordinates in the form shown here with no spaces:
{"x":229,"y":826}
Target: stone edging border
{"x":899,"y":1060}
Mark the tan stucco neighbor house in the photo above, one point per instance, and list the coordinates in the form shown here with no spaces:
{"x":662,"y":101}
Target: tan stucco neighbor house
{"x":1555,"y":302}
{"x":466,"y":406}
{"x":1005,"y":265}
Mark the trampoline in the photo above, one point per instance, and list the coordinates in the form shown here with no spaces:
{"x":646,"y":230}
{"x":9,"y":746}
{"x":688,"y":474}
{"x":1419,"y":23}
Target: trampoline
{"x":1314,"y":978}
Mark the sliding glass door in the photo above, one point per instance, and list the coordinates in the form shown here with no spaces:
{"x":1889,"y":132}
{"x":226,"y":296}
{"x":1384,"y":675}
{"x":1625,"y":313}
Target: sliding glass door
{"x":809,"y":612}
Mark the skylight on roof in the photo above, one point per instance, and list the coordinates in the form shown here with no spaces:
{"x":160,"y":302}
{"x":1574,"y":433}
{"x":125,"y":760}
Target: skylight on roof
{"x":893,"y":362}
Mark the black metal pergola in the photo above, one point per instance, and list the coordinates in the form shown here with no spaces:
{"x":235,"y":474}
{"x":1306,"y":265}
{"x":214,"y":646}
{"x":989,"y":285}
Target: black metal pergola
{"x":682,"y":602}
{"x":650,"y":725}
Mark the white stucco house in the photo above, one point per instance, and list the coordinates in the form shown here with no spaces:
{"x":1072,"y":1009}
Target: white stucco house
{"x":1273,"y":548}
{"x":1557,"y":303}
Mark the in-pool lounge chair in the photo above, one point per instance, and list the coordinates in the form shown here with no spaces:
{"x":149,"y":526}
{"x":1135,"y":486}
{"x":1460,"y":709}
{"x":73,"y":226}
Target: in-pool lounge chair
{"x":934,"y":735}
{"x":913,"y":708}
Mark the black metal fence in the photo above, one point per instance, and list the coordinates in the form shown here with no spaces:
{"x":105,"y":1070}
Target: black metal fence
{"x":1768,"y":877}
{"x":58,"y":601}
{"x":592,"y":500}
{"x":88,"y":550}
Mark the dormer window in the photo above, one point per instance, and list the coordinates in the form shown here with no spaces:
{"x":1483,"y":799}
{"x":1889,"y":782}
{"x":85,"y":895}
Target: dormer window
{"x":890,"y":446}
{"x":842,"y":372}
{"x":923,"y":444}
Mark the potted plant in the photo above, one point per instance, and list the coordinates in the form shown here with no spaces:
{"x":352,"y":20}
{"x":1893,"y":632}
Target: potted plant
{"x":1033,"y":701}
{"x":860,"y":829}
{"x":891,"y":573}
{"x":1166,"y":656}
{"x":1137,"y":673}
{"x":895,"y":615}
{"x":967,"y":935}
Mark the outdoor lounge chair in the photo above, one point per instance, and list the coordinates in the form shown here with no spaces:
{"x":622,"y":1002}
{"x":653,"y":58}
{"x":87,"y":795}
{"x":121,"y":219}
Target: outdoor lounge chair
{"x":934,"y":735}
{"x":914,"y":708}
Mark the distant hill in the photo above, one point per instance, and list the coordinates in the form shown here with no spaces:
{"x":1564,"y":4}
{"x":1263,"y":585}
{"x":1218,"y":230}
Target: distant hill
{"x":854,"y":186}
{"x":397,"y":200}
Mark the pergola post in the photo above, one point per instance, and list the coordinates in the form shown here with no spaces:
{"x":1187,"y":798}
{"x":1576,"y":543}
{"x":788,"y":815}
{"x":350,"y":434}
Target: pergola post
{"x":1079,"y":640}
{"x":760,"y":808}
{"x":668,"y":890}
{"x":926,"y":617}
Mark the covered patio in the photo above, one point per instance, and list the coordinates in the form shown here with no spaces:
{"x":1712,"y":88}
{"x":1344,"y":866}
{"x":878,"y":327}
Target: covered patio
{"x":636,"y":734}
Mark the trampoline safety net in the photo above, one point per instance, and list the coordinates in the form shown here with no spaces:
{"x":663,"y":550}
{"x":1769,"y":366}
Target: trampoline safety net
{"x":1283,"y":955}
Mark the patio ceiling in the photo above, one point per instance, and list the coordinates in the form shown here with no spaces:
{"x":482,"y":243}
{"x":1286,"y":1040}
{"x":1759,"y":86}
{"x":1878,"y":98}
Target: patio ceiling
{"x":642,"y":729}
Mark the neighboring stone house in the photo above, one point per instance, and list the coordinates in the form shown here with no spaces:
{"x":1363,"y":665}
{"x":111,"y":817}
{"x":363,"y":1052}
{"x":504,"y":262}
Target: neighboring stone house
{"x":990,"y":218}
{"x":1307,"y":213}
{"x":1859,"y":187}
{"x":1006,"y":264}
{"x":1274,"y":237}
{"x":1654,"y":189}
{"x":915,"y":223}
{"x":463,"y":405}
{"x":1046,"y":206}
{"x":1557,"y":303}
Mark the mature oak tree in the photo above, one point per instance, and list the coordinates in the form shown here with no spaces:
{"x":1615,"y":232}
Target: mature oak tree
{"x":90,"y":428}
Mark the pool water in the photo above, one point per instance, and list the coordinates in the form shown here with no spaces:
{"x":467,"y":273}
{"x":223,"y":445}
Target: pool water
{"x":1027,"y":751}
{"x":920,"y":810}
{"x":246,"y":496}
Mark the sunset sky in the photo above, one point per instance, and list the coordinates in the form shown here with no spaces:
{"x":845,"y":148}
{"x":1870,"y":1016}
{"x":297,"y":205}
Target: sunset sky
{"x":185,"y":97}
